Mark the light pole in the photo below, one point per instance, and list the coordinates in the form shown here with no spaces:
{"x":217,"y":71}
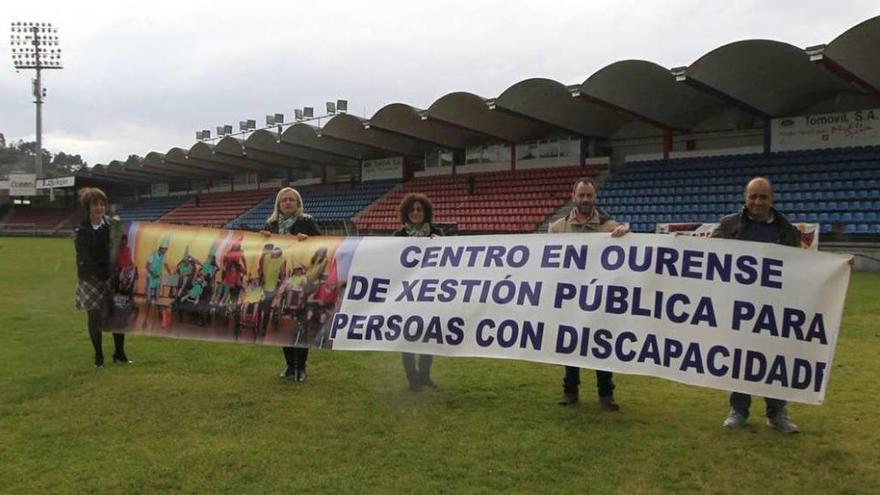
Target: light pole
{"x":35,"y":45}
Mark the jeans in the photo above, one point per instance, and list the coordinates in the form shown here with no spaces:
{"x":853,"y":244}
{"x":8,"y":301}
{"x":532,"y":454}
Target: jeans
{"x":741,"y":402}
{"x":604,"y":381}
{"x":422,"y":374}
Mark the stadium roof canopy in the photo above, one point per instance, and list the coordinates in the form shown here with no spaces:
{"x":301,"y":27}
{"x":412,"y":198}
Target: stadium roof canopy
{"x":765,"y":78}
{"x":470,"y":113}
{"x":853,"y":55}
{"x":404,"y":120}
{"x":549,"y":102}
{"x":351,"y":129}
{"x":307,"y":137}
{"x":648,"y":92}
{"x":265,"y":143}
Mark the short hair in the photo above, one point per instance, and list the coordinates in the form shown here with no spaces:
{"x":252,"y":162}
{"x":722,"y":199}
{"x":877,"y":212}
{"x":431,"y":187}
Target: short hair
{"x":758,"y":177}
{"x":89,"y":195}
{"x":407,"y":204}
{"x":584,"y":180}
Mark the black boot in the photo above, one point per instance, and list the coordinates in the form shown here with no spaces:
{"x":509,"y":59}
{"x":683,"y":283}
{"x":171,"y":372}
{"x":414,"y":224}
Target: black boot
{"x":119,"y":352}
{"x":94,"y":316}
{"x":290,"y":358}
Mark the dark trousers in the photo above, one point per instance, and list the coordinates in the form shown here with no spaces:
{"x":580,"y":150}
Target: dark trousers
{"x":741,"y":402}
{"x":96,"y":324}
{"x":604,"y":381}
{"x":420,"y":374}
{"x":296,"y":357}
{"x":265,"y":310}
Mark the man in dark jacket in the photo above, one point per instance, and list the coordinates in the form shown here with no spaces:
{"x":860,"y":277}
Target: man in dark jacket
{"x":758,"y":222}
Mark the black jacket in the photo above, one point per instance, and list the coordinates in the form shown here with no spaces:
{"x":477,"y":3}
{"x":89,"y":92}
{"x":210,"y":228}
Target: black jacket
{"x":305,"y":224}
{"x":401,"y":232}
{"x":733,"y":226}
{"x":92,"y":251}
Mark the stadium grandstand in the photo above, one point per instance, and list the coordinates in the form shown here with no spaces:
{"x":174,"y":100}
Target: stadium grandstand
{"x":666,"y":145}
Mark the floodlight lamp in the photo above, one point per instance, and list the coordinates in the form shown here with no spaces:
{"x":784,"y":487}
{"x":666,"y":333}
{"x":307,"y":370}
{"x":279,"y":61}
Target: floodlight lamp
{"x":279,"y":118}
{"x":251,"y":124}
{"x":298,"y":114}
{"x":331,"y":108}
{"x":308,"y":112}
{"x":341,"y":106}
{"x":270,"y":120}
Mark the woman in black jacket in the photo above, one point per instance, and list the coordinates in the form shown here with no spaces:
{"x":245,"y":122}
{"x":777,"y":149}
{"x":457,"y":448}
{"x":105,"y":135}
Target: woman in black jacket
{"x":92,"y":244}
{"x":416,"y":213}
{"x":288,"y":217}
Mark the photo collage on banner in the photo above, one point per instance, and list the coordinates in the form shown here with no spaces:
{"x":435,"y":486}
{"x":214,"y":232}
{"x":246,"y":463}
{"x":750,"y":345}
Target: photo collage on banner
{"x":222,"y":285}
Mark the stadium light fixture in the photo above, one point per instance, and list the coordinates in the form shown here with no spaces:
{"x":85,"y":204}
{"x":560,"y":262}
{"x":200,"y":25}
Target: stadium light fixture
{"x":35,"y":45}
{"x":342,"y":106}
{"x":298,"y":115}
{"x":816,"y":53}
{"x":679,"y":73}
{"x":331,"y":108}
{"x":308,"y":112}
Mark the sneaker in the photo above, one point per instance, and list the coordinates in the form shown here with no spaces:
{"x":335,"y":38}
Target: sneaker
{"x":782,"y":424}
{"x":288,"y":373}
{"x":734,"y":420}
{"x":608,"y":404}
{"x":568,"y":400}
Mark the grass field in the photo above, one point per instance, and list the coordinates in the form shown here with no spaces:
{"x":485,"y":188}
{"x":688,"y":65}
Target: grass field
{"x":199,"y":417}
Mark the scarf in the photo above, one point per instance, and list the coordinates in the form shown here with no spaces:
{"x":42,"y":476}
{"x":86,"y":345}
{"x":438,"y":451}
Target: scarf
{"x":413,"y":231}
{"x":286,"y":223}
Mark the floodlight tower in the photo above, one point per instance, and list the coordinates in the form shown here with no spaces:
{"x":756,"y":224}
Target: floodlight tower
{"x":35,"y":45}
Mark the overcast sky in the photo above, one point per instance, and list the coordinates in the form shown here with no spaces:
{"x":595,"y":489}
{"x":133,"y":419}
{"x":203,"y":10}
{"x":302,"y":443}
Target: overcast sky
{"x":144,"y":76}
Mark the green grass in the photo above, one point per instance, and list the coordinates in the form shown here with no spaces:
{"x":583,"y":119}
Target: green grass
{"x":202,"y":417}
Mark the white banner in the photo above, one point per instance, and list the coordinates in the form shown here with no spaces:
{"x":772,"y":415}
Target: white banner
{"x":22,"y":185}
{"x":830,"y":130}
{"x":809,"y":231}
{"x":56,"y":182}
{"x":751,"y":317}
{"x":383,"y":168}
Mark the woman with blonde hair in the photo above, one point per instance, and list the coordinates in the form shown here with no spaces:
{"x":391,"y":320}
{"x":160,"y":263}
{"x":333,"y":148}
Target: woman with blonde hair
{"x":288,"y":217}
{"x":92,"y":243}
